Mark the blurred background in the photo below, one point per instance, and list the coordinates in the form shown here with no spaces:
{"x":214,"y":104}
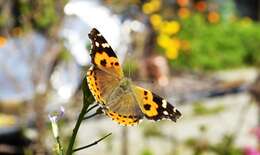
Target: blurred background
{"x":202,"y":55}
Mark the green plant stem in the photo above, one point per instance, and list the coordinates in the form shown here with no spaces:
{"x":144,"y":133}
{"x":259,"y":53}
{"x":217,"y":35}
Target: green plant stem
{"x":94,"y":143}
{"x":90,"y":116}
{"x":76,"y":128}
{"x":99,"y":111}
{"x":59,"y":146}
{"x":94,"y":106}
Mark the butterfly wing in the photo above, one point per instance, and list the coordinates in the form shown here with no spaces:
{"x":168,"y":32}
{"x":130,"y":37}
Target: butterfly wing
{"x":103,"y":56}
{"x":101,"y":84}
{"x":104,"y":79}
{"x":154,"y":107}
{"x":123,"y":107}
{"x":105,"y":74}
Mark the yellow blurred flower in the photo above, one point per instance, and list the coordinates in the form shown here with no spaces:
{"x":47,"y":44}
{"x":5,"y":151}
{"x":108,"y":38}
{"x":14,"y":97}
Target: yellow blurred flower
{"x":156,"y":20}
{"x":164,"y":40}
{"x":3,"y":41}
{"x":152,"y":6}
{"x":183,"y":3}
{"x":171,"y":45}
{"x":171,"y":53}
{"x":184,"y":12}
{"x":170,"y":28}
{"x":213,"y":17}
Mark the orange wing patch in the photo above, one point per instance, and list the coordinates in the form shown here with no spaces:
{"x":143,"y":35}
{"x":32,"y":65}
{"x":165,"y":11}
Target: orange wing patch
{"x":93,"y":86}
{"x":149,"y":107}
{"x":103,"y":60}
{"x":122,"y":119}
{"x":154,"y":107}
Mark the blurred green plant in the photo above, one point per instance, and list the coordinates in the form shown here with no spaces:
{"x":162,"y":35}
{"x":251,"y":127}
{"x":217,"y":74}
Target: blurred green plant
{"x":44,"y":16}
{"x":146,"y":152}
{"x":226,"y":146}
{"x":219,"y":46}
{"x":151,"y":130}
{"x":200,"y":109}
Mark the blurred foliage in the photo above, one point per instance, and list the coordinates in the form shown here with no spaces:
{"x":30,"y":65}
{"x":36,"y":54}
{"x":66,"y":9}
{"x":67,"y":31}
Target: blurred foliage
{"x":151,"y":130}
{"x":41,"y":16}
{"x":200,"y":39}
{"x":202,"y":109}
{"x":226,"y":146}
{"x":219,"y":46}
{"x":146,"y":152}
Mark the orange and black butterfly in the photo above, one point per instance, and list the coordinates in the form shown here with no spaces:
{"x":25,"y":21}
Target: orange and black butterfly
{"x":123,"y":101}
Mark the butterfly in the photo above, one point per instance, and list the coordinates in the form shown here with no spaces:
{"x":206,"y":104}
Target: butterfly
{"x":121,"y":100}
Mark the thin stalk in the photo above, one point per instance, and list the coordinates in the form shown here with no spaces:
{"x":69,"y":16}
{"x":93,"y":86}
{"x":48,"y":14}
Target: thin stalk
{"x":98,"y":111}
{"x":94,"y":143}
{"x":59,"y":146}
{"x":76,"y":128}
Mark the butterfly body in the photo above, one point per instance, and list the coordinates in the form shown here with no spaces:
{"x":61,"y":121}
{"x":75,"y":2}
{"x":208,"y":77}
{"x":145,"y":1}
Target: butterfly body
{"x":121,"y":100}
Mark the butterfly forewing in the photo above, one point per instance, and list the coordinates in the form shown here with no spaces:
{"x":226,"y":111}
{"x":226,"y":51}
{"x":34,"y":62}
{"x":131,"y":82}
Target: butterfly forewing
{"x":103,"y":56}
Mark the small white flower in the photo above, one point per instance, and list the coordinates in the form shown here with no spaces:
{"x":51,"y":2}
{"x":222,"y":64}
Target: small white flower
{"x":54,"y":117}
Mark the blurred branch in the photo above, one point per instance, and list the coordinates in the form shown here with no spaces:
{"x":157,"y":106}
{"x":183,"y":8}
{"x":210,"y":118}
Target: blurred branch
{"x":92,"y":144}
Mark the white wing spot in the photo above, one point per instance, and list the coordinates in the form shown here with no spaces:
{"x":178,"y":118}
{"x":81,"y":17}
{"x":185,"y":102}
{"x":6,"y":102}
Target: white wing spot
{"x":104,"y":45}
{"x":165,"y":113}
{"x":99,"y":34}
{"x":164,"y":104}
{"x":97,"y":44}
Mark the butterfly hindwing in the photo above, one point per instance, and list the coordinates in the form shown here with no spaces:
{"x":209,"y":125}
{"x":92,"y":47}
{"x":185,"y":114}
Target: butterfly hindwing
{"x":154,"y":107}
{"x":103,"y":56}
{"x":126,"y":120}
